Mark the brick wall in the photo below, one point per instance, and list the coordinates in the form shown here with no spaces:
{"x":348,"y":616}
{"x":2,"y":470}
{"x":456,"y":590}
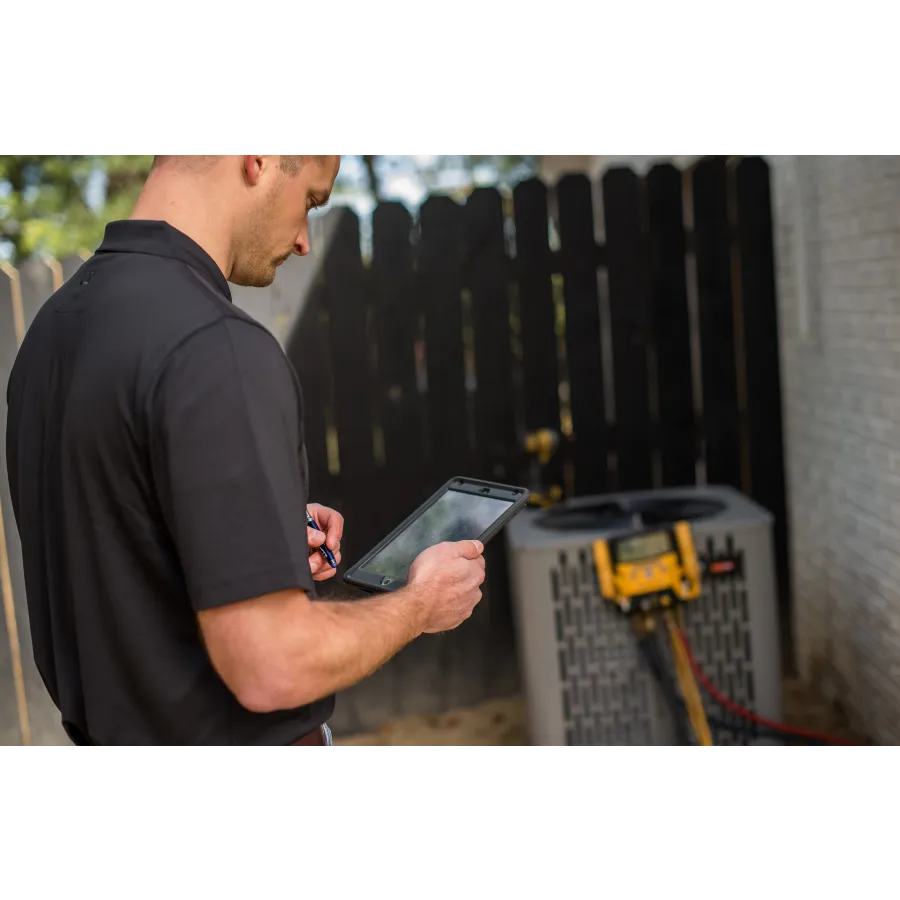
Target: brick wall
{"x":837,"y":238}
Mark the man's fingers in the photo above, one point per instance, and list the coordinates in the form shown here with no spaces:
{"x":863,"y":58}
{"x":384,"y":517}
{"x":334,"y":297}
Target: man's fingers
{"x":335,"y":531}
{"x":331,"y":522}
{"x":319,"y":566}
{"x":314,"y":538}
{"x":471,"y":549}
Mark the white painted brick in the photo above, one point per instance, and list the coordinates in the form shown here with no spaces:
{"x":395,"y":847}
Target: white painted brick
{"x":842,"y":427}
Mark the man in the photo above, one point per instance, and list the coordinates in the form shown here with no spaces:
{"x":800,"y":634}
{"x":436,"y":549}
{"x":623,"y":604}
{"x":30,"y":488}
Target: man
{"x":159,"y":482}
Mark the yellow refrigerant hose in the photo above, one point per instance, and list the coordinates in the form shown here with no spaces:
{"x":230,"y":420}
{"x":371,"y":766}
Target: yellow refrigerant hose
{"x":688,"y":684}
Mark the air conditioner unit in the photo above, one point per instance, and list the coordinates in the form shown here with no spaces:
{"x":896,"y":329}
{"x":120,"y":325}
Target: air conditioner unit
{"x":585,"y":680}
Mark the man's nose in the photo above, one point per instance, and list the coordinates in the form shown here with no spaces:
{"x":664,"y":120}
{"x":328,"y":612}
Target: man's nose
{"x":301,"y":242}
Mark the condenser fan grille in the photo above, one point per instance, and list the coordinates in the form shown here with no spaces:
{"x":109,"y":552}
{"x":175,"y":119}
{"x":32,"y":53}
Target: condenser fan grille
{"x":611,"y":515}
{"x":577,"y":517}
{"x":678,"y":509}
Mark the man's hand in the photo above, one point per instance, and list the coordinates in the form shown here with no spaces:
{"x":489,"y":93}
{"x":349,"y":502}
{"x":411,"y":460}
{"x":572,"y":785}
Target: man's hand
{"x":332,"y":524}
{"x":450,"y":576}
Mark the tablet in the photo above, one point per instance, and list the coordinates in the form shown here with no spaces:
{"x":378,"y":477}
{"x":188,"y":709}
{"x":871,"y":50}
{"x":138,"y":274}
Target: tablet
{"x":463,"y":509}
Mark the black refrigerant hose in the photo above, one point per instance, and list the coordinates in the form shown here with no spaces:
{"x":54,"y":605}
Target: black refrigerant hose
{"x":650,"y":651}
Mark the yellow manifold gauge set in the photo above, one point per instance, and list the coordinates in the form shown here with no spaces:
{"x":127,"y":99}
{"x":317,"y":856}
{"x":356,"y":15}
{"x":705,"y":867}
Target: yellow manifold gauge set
{"x":650,"y":571}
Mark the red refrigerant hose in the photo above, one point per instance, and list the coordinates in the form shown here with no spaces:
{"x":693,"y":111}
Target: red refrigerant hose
{"x":739,"y":710}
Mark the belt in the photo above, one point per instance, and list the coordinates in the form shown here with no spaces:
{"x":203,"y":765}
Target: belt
{"x":315,"y":738}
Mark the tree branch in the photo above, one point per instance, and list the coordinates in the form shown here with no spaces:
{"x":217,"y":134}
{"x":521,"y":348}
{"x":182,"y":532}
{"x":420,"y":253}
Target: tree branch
{"x":374,"y":186}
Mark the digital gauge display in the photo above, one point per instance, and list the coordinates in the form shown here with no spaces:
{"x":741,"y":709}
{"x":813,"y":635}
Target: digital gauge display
{"x":643,"y":546}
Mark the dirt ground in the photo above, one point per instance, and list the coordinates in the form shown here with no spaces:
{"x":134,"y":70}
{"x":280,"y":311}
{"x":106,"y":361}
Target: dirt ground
{"x":502,"y":722}
{"x":496,"y":722}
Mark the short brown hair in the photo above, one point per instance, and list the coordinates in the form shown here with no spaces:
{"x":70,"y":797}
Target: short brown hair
{"x":291,"y":165}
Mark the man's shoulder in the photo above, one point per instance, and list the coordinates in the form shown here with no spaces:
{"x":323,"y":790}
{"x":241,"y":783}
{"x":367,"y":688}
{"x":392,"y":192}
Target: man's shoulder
{"x":169,"y":288}
{"x":166,"y":303}
{"x":226,"y":339}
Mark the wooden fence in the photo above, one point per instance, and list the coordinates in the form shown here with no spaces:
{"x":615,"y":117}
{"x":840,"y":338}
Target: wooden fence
{"x":635,"y":316}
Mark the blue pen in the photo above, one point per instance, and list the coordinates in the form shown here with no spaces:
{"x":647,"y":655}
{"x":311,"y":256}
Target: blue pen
{"x":329,"y":556}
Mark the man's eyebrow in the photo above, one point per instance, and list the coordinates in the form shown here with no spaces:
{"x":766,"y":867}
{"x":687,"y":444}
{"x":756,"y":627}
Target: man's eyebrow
{"x":322,"y":199}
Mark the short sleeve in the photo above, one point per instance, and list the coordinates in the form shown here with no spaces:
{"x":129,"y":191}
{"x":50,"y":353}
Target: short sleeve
{"x":225,"y":433}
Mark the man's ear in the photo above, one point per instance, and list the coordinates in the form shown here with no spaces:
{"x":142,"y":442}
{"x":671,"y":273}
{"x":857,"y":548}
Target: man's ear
{"x":252,"y":166}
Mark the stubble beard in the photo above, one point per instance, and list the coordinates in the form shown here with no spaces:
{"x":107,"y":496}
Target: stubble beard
{"x":254,"y":265}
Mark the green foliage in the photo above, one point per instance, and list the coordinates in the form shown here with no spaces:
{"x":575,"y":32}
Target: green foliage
{"x":60,"y":204}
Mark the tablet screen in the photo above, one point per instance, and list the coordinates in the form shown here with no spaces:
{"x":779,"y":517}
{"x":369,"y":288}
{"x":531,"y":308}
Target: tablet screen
{"x":455,"y":516}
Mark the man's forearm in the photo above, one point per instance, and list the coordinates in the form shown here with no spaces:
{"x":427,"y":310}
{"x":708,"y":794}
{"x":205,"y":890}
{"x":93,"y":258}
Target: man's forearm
{"x":338,"y":643}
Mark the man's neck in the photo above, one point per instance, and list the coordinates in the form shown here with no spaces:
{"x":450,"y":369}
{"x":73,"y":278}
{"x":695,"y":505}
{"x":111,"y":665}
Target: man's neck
{"x":184,"y":202}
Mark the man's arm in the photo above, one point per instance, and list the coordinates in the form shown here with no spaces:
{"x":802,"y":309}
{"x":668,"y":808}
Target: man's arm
{"x":283,"y":650}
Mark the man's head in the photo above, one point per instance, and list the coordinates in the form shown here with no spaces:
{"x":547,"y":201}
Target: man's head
{"x":266,"y":202}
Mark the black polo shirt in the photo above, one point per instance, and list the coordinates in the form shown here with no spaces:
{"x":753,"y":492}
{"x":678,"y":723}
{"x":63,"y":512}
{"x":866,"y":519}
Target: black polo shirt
{"x":157,"y":466}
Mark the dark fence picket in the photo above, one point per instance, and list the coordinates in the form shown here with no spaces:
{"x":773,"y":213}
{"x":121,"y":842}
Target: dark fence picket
{"x":671,"y":326}
{"x":498,"y":457}
{"x":488,"y":282}
{"x":578,"y":263}
{"x":721,"y":420}
{"x":440,"y":287}
{"x":307,"y":347}
{"x":416,"y":671}
{"x":346,"y":293}
{"x":534,"y":272}
{"x":440,"y":280}
{"x":345,"y":297}
{"x":629,"y":309}
{"x":396,"y":311}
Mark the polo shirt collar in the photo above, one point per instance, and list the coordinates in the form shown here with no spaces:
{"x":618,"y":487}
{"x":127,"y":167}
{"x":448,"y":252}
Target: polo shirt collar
{"x":161,"y":239}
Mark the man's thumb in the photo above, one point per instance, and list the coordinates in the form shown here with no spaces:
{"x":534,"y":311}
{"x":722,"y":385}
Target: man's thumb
{"x":471,"y":549}
{"x":315,"y":537}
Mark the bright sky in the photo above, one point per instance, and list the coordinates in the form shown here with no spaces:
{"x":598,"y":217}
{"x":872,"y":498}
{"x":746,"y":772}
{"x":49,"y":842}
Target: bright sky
{"x":408,"y":179}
